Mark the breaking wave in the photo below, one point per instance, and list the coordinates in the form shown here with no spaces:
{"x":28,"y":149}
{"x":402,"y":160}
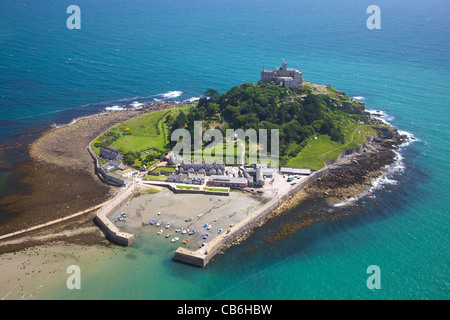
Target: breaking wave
{"x":391,"y":171}
{"x":172,"y":94}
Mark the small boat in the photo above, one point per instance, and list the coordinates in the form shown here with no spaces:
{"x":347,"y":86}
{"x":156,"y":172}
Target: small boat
{"x":220,"y":231}
{"x":191,"y":232}
{"x":188,"y":220}
{"x":120,"y":218}
{"x":152,"y":222}
{"x":168,"y":235}
{"x":203,"y":244}
{"x":175,"y":239}
{"x":179,"y":229}
{"x":167,"y":226}
{"x":124,"y":214}
{"x":158,"y":223}
{"x":199,"y":215}
{"x":185,"y":231}
{"x":186,"y":241}
{"x":209,"y":227}
{"x":210,"y":199}
{"x":205,"y":236}
{"x":160,"y":231}
{"x":128,"y":203}
{"x":159,"y":213}
{"x":205,"y":225}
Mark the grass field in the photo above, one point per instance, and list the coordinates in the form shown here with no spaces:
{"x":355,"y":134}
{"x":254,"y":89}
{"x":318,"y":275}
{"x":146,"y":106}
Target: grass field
{"x":320,"y":150}
{"x":142,"y":133}
{"x":149,"y":131}
{"x":158,"y":169}
{"x":215,"y":189}
{"x":187,"y":187}
{"x":155,"y":178}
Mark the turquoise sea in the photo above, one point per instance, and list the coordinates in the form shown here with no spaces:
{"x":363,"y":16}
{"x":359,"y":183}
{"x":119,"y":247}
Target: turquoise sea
{"x":137,"y":51}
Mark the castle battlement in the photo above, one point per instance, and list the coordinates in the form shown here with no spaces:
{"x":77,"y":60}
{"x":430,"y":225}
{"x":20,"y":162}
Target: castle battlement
{"x":288,"y":77}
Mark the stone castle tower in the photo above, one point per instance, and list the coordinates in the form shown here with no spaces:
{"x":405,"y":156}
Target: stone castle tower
{"x":290,"y":78}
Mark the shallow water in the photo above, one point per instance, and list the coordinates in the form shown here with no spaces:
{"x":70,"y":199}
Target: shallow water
{"x":144,"y":51}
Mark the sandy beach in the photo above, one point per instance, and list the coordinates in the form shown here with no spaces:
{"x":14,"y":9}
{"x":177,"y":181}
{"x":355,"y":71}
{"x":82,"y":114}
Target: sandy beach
{"x":218,"y":212}
{"x":31,"y":273}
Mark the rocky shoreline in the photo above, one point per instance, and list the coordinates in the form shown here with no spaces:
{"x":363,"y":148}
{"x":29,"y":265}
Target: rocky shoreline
{"x":349,"y":176}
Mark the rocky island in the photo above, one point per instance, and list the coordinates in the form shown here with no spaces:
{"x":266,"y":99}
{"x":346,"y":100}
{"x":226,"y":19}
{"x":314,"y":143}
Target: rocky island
{"x":330,"y":148}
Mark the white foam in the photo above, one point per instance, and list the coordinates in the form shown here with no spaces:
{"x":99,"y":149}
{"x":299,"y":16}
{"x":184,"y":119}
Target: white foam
{"x":192,"y":100}
{"x":392,"y":170}
{"x":114,"y":108}
{"x":380,"y":115}
{"x":359,"y":98}
{"x":172,"y":94}
{"x":410,"y":138}
{"x":346,"y":202}
{"x":137,"y":105}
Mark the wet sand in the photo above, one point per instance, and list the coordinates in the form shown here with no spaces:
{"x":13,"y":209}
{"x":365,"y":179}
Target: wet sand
{"x":33,"y":272}
{"x":218,"y":211}
{"x":57,"y":179}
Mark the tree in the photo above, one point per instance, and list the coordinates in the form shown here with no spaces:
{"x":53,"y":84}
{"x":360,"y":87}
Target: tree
{"x":212,"y":94}
{"x":212,"y":109}
{"x":130,"y":157}
{"x":180,"y":121}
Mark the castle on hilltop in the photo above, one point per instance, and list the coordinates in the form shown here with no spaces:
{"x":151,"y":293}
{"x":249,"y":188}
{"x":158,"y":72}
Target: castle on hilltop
{"x":288,"y":77}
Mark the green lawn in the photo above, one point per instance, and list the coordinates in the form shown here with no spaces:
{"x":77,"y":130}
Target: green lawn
{"x":187,"y":188}
{"x":215,"y":189}
{"x":155,"y":178}
{"x":158,"y":169}
{"x":320,"y":150}
{"x":142,"y":133}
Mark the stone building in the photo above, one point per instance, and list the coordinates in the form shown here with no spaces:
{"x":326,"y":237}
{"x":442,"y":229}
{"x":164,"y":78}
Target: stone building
{"x":290,"y":78}
{"x":202,"y":168}
{"x":111,"y":154}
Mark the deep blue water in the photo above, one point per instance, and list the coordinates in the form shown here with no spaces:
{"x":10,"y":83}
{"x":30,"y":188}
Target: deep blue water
{"x":137,"y":51}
